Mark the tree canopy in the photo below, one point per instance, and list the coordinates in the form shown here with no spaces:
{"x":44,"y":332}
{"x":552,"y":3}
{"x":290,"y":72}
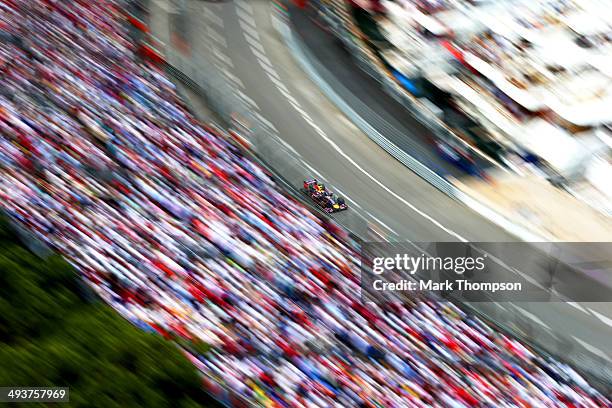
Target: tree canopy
{"x":51,"y":335}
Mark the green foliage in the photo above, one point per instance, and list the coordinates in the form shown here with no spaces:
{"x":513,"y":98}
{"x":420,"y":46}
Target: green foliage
{"x":195,"y":346}
{"x":49,"y":336}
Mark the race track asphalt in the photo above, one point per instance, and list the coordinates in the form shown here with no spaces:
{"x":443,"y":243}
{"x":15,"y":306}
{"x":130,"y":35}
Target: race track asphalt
{"x":400,"y":206}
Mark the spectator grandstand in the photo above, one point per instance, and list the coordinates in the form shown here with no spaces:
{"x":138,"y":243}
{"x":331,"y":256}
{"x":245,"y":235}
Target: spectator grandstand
{"x":183,"y":234}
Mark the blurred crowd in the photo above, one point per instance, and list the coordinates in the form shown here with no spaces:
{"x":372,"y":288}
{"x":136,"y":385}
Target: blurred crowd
{"x":525,"y":82}
{"x":184,"y":235}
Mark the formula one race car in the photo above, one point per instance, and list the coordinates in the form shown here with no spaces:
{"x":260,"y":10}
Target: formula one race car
{"x":323,"y":197}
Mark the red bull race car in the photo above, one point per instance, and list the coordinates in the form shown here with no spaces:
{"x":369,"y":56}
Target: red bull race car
{"x":323,"y":197}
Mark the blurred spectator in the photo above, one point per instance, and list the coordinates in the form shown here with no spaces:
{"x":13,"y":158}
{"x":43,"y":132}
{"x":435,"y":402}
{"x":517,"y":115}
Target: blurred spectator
{"x":179,"y":231}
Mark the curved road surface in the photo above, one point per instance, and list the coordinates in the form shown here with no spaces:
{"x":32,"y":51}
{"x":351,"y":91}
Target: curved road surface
{"x":240,"y":37}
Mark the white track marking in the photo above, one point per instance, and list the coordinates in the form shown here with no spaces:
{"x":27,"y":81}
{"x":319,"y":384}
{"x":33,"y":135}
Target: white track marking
{"x":531,"y":316}
{"x":165,"y":6}
{"x":280,"y":85}
{"x":247,"y":29}
{"x":308,"y":118}
{"x":288,"y":147}
{"x":261,"y":57}
{"x":322,"y":134}
{"x":577,"y":306}
{"x":215,"y":36}
{"x":254,"y":43}
{"x":212,"y":17}
{"x":244,"y":5}
{"x":245,"y":16}
{"x":296,"y":105}
{"x":246,"y":99}
{"x":265,"y":121}
{"x":601,"y":317}
{"x":271,"y":72}
{"x":379,"y":234}
{"x":381,"y":223}
{"x":592,"y":348}
{"x":225,"y":70}
{"x":223,"y":57}
{"x":312,"y":170}
{"x":233,"y":78}
{"x":284,"y":92}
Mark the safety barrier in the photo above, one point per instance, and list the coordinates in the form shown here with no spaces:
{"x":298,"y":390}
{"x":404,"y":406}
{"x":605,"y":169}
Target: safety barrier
{"x":365,"y":117}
